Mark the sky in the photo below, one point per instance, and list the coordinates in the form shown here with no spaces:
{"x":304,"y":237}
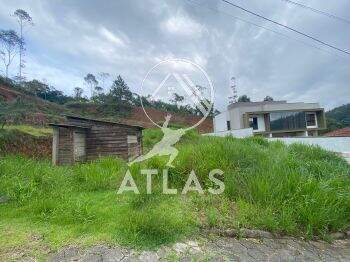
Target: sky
{"x":128,"y":37}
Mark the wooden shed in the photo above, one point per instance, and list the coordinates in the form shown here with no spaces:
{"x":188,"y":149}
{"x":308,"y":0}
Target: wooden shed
{"x":82,"y":139}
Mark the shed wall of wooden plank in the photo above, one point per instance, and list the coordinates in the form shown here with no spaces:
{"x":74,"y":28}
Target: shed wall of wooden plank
{"x":65,"y":146}
{"x":79,"y":145}
{"x":95,"y":139}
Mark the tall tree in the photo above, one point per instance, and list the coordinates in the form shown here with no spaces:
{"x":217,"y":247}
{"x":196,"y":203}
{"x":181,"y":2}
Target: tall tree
{"x":78,"y":92}
{"x":91,"y":82}
{"x":243,"y":98}
{"x":120,"y":91}
{"x":268,"y":99}
{"x":23,"y":19}
{"x":177,"y":99}
{"x":37,"y":87}
{"x":103,"y":77}
{"x":9,"y":41}
{"x":98,"y":90}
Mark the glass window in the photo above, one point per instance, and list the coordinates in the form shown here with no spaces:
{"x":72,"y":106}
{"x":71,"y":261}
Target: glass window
{"x":287,"y":120}
{"x":311,"y":120}
{"x":228,"y":123}
{"x":253,"y":122}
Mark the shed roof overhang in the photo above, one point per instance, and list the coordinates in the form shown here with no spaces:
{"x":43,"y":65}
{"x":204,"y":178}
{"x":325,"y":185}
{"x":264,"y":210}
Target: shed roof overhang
{"x":102,"y":121}
{"x":70,"y":126}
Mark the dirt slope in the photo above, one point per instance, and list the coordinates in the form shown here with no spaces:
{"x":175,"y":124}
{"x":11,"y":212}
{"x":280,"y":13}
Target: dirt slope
{"x":158,"y":116}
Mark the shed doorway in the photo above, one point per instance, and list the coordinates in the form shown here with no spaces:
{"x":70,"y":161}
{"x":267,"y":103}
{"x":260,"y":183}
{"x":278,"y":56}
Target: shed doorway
{"x":79,"y":145}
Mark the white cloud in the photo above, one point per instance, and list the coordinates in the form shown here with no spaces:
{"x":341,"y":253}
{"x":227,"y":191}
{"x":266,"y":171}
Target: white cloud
{"x":182,"y":25}
{"x":108,"y":35}
{"x":68,"y":41}
{"x":61,"y":78}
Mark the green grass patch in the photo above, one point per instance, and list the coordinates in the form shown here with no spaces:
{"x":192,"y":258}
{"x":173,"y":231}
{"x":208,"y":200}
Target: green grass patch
{"x":294,"y":190}
{"x":31,"y":130}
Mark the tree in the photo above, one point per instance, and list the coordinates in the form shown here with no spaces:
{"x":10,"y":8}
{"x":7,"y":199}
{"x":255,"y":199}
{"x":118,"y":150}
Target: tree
{"x":177,"y":99}
{"x":78,"y":92}
{"x":98,"y":90}
{"x":268,"y":99}
{"x":45,"y":91}
{"x":243,"y":98}
{"x":9,"y":40}
{"x":37,"y":88}
{"x":23,"y":18}
{"x":103,"y":77}
{"x":120,"y":91}
{"x":91,"y":82}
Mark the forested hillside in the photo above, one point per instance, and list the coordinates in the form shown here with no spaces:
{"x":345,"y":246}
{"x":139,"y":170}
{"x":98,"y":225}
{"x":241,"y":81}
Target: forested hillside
{"x":37,"y":103}
{"x":338,"y":117}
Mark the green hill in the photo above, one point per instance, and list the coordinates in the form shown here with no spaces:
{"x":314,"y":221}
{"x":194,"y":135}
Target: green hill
{"x":35,"y":103}
{"x":338,"y":117}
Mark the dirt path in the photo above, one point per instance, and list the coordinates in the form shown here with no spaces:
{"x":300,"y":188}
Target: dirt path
{"x":219,"y":249}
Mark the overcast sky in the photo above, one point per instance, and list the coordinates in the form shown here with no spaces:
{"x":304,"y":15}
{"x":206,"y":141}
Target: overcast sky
{"x":73,"y":38}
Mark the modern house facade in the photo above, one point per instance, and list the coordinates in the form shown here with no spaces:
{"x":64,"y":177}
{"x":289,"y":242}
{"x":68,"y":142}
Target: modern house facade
{"x":272,"y":118}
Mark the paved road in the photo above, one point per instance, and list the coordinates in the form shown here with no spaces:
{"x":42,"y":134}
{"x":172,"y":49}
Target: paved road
{"x":219,"y":249}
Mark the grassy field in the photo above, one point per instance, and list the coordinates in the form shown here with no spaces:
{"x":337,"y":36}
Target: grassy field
{"x":294,"y":190}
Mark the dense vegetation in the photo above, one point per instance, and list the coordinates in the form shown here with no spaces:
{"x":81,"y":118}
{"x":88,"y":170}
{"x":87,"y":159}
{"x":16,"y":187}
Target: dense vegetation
{"x":295,"y":190}
{"x":338,"y":117}
{"x":114,"y":101}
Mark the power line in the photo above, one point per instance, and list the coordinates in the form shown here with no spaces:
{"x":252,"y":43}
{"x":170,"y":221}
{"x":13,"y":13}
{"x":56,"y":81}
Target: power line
{"x":287,"y":27}
{"x":262,"y":27}
{"x":318,"y":11}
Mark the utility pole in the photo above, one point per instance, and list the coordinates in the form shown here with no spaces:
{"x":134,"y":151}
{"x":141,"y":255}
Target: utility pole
{"x":233,"y":98}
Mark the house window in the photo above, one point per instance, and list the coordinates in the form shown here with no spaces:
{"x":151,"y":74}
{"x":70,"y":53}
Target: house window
{"x":287,"y":120}
{"x":253,"y":122}
{"x":311,"y":120}
{"x":228,"y":123}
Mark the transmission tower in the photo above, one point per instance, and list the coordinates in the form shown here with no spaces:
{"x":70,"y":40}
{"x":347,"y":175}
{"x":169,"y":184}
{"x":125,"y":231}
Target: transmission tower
{"x":233,"y":98}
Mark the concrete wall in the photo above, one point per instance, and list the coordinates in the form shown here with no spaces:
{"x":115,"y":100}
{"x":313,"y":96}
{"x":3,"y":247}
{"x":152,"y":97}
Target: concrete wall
{"x":339,"y":145}
{"x":236,"y":118}
{"x":238,"y":133}
{"x":220,"y":122}
{"x":336,"y":144}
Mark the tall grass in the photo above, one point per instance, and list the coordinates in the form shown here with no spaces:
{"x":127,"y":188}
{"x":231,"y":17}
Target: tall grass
{"x":296,"y":190}
{"x":80,"y":202}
